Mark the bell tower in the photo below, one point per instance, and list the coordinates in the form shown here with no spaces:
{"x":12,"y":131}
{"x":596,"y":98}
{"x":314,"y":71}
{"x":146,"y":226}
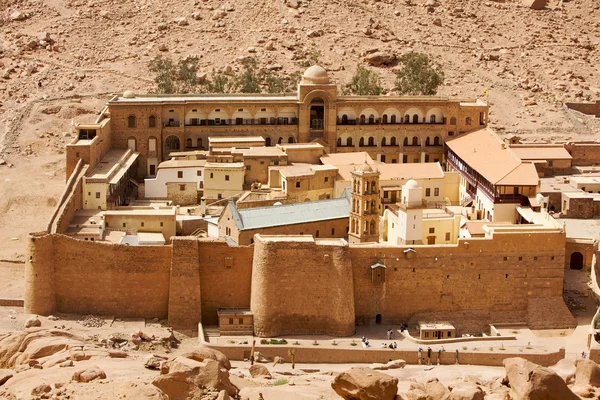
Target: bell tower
{"x":365,"y":205}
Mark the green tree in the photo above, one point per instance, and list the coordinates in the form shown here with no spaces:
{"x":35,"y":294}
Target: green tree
{"x":365,"y":82}
{"x":175,"y":77}
{"x":419,"y":75}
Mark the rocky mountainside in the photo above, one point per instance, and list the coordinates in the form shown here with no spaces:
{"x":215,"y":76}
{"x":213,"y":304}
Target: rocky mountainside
{"x":62,"y":58}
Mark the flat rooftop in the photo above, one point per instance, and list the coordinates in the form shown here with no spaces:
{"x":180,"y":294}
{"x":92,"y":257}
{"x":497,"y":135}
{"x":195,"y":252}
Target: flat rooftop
{"x":218,"y":165}
{"x":541,"y":152}
{"x":441,"y":325}
{"x":199,"y":98}
{"x":354,"y":158}
{"x":113,"y":166}
{"x":181,"y":164}
{"x":298,"y":169}
{"x":298,"y":146}
{"x":557,"y":184}
{"x":259,"y":151}
{"x":396,"y":172}
{"x":580,"y":228}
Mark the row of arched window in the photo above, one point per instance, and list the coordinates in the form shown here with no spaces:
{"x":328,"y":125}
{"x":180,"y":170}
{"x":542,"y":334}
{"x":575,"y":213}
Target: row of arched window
{"x":369,"y":227}
{"x":370,"y":141}
{"x":392,"y":119}
{"x":357,"y":187}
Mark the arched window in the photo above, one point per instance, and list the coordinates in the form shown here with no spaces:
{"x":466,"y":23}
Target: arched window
{"x":415,"y":119}
{"x":131,"y":143}
{"x":371,"y":141}
{"x":383,"y":141}
{"x":427,"y":143}
{"x":415,"y":141}
{"x":436,"y":141}
{"x":432,"y":119}
{"x":372,"y":227}
{"x":468,"y":121}
{"x":453,"y":121}
{"x":199,"y":143}
{"x":349,"y":141}
{"x":373,"y":189}
{"x":393,"y":141}
{"x":406,"y":141}
{"x":344,"y":119}
{"x":393,"y":119}
{"x":339,"y":142}
{"x":152,"y":121}
{"x":384,"y":119}
{"x":188,"y":142}
{"x":291,"y":139}
{"x":268,"y":141}
{"x":362,"y":119}
{"x":280,"y":140}
{"x":362,"y":142}
{"x":131,"y":121}
{"x":407,"y":119}
{"x":371,"y":119}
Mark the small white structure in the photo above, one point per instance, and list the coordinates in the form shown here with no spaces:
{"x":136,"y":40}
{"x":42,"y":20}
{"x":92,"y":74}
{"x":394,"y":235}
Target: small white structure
{"x":410,"y":215}
{"x":175,"y":171}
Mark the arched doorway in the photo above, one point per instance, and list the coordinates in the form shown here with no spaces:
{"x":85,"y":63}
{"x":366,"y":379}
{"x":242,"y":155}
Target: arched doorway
{"x":317,"y":117}
{"x":172,"y":143}
{"x":576,"y":260}
{"x":378,"y":319}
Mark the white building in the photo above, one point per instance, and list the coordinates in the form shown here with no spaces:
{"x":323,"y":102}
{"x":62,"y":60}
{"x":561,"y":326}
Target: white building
{"x":175,"y":171}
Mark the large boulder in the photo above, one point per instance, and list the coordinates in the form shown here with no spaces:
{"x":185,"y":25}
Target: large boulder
{"x":365,"y":384}
{"x":35,"y":344}
{"x":533,"y":382}
{"x":202,"y":353}
{"x":535,"y":4}
{"x":380,"y":58}
{"x":587,"y":373}
{"x":416,"y":394}
{"x":88,"y":374}
{"x":259,"y":371}
{"x":467,"y":391}
{"x":33,"y":322}
{"x":185,"y":378}
{"x":436,"y":390}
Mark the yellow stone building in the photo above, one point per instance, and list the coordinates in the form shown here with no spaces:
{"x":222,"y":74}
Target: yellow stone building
{"x":392,"y":129}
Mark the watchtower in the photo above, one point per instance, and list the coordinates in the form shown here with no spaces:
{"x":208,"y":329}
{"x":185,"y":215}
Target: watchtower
{"x":365,"y":205}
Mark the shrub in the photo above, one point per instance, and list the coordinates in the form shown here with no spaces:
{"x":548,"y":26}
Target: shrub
{"x":419,"y":75}
{"x":175,"y":77}
{"x":365,"y":82}
{"x":280,"y":381}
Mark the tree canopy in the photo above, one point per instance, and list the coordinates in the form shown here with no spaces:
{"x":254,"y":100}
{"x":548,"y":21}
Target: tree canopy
{"x":419,"y":75}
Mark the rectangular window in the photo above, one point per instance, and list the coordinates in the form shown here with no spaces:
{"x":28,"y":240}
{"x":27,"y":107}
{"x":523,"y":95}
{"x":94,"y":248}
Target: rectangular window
{"x":248,"y":167}
{"x":317,"y":233}
{"x":447,"y":236}
{"x":97,"y":195}
{"x":405,"y":159}
{"x":77,"y":155}
{"x":505,"y":258}
{"x":161,"y":224}
{"x":226,"y":177}
{"x":199,"y":173}
{"x":297,"y":184}
{"x":332,"y":231}
{"x":211,"y":175}
{"x":427,"y":192}
{"x":535,"y":258}
{"x":142,"y":224}
{"x":326,"y":179}
{"x":520,"y":258}
{"x":436,"y":191}
{"x":152,"y":144}
{"x":431,"y":230}
{"x":219,"y":196}
{"x":550,"y":163}
{"x":426,"y":157}
{"x":180,"y":174}
{"x":182,"y":187}
{"x":241,"y":321}
{"x":230,"y":321}
{"x":124,"y":224}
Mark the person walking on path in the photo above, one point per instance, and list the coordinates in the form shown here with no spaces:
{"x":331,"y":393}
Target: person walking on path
{"x":420,"y":354}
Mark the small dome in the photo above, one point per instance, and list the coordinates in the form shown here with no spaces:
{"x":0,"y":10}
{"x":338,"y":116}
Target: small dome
{"x":315,"y":75}
{"x":411,"y":184}
{"x":278,"y":203}
{"x":128,"y":94}
{"x":366,"y":168}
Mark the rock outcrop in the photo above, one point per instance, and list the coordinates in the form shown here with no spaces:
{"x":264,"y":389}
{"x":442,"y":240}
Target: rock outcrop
{"x":531,"y":381}
{"x":365,"y":384}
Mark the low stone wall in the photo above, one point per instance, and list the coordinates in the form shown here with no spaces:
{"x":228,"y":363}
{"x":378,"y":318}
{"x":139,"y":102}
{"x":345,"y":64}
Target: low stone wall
{"x":11,"y":302}
{"x":317,"y":355}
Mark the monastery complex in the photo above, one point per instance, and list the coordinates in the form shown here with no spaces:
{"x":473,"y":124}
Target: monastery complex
{"x":312,"y":213}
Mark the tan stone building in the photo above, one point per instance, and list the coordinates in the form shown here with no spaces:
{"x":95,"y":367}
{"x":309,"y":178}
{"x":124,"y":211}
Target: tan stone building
{"x":390,"y":129}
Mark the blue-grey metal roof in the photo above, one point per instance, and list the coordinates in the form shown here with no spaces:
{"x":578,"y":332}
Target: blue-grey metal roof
{"x":289,"y":214}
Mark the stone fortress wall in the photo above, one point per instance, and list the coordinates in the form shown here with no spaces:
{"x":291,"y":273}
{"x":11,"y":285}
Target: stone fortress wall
{"x":296,"y":285}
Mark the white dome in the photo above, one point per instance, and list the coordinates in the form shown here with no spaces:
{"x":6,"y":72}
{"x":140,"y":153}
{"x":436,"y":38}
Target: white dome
{"x":128,"y":94}
{"x":278,"y":203}
{"x":411,"y":184}
{"x":315,"y":75}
